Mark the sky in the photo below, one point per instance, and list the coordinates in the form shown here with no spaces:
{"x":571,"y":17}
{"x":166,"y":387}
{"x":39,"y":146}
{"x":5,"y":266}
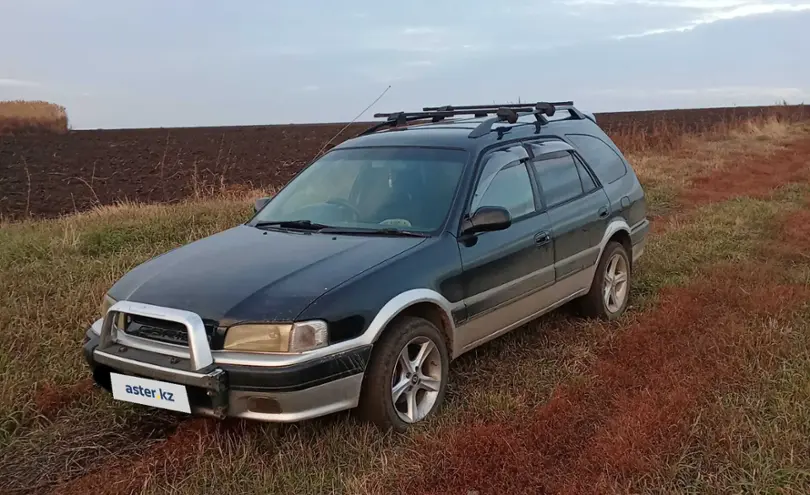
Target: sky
{"x":159,"y":63}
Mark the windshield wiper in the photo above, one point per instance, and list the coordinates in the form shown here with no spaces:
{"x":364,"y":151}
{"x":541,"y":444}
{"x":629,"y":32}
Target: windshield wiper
{"x":291,"y":224}
{"x":388,"y":231}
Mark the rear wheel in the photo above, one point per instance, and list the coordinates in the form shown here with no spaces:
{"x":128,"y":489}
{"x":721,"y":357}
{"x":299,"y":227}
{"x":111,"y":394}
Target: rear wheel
{"x":610,"y":289}
{"x":407,"y":377}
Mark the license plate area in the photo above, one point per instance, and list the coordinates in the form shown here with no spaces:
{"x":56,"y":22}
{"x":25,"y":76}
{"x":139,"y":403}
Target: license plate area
{"x":147,"y":392}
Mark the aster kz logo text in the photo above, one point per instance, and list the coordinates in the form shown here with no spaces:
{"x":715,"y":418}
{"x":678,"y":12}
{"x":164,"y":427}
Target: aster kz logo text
{"x":150,"y":392}
{"x":155,"y":393}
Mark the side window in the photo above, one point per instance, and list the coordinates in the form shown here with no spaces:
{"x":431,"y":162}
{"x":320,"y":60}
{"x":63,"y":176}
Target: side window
{"x":511,"y":189}
{"x":606,"y":164}
{"x":505,"y":182}
{"x":558,"y":178}
{"x":587,"y":181}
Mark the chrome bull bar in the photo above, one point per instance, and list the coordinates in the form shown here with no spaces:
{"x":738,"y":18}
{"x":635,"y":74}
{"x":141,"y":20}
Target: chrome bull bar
{"x":199,"y":351}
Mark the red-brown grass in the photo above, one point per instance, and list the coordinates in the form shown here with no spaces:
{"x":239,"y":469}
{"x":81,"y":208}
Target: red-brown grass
{"x":749,"y":174}
{"x":793,"y":242}
{"x":756,"y":177}
{"x":51,"y":398}
{"x":169,"y":458}
{"x":23,"y":117}
{"x":796,"y":232}
{"x":634,"y":411}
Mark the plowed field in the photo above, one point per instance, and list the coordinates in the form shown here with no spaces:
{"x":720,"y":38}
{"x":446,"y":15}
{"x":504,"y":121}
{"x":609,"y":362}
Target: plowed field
{"x":44,"y":175}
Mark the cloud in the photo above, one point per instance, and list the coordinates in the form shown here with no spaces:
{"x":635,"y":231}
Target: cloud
{"x":419,"y":30}
{"x":706,"y":11}
{"x":19,"y":83}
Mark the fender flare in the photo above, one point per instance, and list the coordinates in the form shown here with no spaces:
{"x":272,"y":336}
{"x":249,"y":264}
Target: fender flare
{"x":615,"y":225}
{"x":403,"y":301}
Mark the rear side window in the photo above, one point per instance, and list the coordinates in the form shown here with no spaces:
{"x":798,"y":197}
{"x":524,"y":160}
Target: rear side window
{"x":587,"y":181}
{"x":558,"y":178}
{"x":606,"y":163}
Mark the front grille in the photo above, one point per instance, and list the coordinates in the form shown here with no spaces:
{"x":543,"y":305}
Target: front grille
{"x":168,"y":332}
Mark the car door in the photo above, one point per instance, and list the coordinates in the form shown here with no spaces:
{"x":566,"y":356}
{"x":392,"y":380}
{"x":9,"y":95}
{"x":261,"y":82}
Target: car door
{"x":578,"y":210}
{"x":503,"y":271}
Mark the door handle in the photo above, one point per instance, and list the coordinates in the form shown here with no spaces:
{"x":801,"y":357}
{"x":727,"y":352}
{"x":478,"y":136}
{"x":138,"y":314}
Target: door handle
{"x":603,"y":212}
{"x":542,"y":238}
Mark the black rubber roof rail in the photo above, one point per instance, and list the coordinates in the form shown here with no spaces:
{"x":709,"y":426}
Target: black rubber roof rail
{"x":398,"y":119}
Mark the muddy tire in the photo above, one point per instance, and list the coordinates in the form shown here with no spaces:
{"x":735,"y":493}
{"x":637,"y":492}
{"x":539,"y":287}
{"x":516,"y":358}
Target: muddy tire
{"x":406,"y":379}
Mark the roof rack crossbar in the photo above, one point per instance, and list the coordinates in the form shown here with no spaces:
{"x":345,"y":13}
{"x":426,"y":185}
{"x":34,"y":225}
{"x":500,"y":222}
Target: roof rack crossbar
{"x":509,"y":115}
{"x":557,"y":105}
{"x":509,"y":112}
{"x":397,"y":119}
{"x":444,"y":112}
{"x":496,"y":105}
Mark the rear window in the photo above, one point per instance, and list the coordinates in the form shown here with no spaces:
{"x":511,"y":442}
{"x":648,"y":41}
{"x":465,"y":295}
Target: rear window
{"x":606,"y":163}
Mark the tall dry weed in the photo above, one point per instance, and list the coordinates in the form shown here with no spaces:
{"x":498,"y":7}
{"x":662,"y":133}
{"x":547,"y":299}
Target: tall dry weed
{"x":18,"y":116}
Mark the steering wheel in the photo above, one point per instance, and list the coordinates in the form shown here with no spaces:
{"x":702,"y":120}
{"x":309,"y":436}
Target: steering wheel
{"x":346,"y":204}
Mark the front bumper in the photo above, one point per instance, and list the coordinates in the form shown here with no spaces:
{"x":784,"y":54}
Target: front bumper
{"x":262,"y":391}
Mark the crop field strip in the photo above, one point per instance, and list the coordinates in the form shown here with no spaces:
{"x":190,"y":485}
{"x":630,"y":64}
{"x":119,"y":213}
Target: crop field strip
{"x":701,"y":388}
{"x":47,"y":174}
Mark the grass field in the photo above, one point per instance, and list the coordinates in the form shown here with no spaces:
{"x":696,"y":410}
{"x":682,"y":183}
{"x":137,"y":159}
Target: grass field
{"x":32,"y":116}
{"x":703,"y":387}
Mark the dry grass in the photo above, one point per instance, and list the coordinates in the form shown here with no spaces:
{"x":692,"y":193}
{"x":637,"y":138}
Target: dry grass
{"x":54,"y":273}
{"x":713,"y":158}
{"x":17,"y":117}
{"x":659,"y":134}
{"x":702,"y":388}
{"x":622,"y":426}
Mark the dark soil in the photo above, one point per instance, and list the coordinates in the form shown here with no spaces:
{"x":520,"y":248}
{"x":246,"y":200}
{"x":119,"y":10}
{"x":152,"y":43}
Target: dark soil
{"x":47,"y":175}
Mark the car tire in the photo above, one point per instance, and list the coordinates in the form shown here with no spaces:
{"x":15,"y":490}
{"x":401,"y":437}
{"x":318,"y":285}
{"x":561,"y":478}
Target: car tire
{"x":419,"y":390}
{"x":610,"y":289}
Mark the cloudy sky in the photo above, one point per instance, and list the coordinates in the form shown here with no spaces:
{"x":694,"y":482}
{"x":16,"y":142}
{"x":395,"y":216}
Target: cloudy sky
{"x":160,"y":63}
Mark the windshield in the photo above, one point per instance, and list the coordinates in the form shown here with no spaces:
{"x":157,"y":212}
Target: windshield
{"x":404,"y":188}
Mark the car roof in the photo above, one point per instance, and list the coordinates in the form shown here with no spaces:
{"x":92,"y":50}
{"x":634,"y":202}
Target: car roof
{"x":450,"y":134}
{"x":456,"y":133}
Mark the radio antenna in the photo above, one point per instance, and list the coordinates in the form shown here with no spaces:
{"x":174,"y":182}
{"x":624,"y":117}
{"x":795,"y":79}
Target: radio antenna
{"x":352,"y":122}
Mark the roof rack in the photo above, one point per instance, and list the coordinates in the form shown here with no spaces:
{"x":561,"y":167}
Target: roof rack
{"x":557,"y":105}
{"x":509,"y":112}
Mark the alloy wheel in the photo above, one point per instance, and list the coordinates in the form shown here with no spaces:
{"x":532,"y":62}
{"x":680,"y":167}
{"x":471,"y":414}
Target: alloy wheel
{"x":416,"y":379}
{"x":615,"y":287}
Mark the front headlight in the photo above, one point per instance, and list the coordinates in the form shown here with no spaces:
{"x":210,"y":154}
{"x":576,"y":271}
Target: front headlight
{"x":265,"y":337}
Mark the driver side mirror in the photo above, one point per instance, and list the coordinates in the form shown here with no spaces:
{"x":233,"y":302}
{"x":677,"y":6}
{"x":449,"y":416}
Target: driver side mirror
{"x":487,"y":219}
{"x":259,"y":204}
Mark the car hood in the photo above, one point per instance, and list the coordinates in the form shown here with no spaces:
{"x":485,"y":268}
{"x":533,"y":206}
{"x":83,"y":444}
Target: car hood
{"x":248,"y":274}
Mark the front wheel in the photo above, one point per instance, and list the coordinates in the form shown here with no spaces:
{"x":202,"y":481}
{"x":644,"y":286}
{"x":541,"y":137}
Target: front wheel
{"x":610,"y":289}
{"x":407,"y":377}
